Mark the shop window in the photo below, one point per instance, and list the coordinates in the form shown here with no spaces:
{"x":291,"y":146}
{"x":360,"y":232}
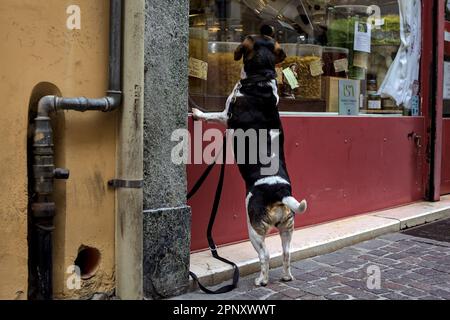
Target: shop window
{"x":331,"y":45}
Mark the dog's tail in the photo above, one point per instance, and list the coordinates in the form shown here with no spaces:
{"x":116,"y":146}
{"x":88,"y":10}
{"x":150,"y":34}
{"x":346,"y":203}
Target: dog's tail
{"x":294,"y":205}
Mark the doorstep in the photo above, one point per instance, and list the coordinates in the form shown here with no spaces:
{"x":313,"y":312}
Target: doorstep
{"x":317,"y":240}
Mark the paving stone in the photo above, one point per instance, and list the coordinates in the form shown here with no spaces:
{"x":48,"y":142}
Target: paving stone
{"x":395,"y":296}
{"x":329,"y":259}
{"x":394,"y":237}
{"x":294,"y":293}
{"x":278,"y":296}
{"x":414,"y":293}
{"x":430,"y":298}
{"x":440,"y":293}
{"x":311,"y":297}
{"x":307,"y":265}
{"x":357,"y":284}
{"x":358,"y":294}
{"x":317,"y":291}
{"x":394,"y":286}
{"x":421,"y":286}
{"x":373,"y":244}
{"x":378,"y":253}
{"x":397,"y":256}
{"x":261,"y":293}
{"x":244,"y":296}
{"x":339,"y":296}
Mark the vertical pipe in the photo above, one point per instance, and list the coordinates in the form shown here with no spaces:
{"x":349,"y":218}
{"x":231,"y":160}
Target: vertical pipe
{"x":115,"y":45}
{"x":129,"y":202}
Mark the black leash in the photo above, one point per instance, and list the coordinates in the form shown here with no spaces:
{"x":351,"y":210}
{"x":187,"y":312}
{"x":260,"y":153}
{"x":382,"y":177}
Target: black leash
{"x":212,"y":245}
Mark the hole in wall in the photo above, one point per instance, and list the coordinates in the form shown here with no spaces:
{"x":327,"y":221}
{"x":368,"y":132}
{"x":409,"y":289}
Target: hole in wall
{"x":88,"y":260}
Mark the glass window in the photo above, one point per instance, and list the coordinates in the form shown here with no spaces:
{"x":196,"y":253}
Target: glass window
{"x":334,"y":48}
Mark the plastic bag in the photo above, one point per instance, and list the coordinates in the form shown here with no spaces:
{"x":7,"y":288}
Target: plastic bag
{"x":404,"y":71}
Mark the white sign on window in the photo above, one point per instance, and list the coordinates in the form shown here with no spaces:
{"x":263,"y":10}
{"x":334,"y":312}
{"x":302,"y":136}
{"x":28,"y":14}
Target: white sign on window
{"x":447,"y":80}
{"x":363,"y":37}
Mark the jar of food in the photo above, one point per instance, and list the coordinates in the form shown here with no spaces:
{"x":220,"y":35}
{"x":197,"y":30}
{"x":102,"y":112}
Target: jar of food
{"x":307,"y":66}
{"x":198,"y":49}
{"x":372,"y":86}
{"x":223,"y":71}
{"x":374,"y":102}
{"x":335,"y":62}
{"x":341,"y":33}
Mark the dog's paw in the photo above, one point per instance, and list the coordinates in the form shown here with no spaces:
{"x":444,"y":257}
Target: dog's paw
{"x":287,"y":278}
{"x":261,"y":282}
{"x":197,"y":114}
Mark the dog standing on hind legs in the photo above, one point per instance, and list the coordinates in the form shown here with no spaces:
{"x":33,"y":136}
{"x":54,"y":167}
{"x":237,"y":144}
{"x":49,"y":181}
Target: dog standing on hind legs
{"x":253,"y":105}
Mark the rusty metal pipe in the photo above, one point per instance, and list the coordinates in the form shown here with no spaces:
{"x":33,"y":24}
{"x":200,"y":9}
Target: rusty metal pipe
{"x":44,"y":171}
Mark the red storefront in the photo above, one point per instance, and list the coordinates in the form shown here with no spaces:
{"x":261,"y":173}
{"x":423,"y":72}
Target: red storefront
{"x":344,"y":165}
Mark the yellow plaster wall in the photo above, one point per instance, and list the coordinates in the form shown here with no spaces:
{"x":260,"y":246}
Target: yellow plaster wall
{"x":35,"y":47}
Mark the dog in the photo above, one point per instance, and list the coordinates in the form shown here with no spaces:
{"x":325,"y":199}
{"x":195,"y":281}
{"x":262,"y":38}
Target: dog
{"x":253,"y":104}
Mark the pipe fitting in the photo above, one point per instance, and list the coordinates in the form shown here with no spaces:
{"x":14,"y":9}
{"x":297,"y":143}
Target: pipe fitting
{"x":46,"y":106}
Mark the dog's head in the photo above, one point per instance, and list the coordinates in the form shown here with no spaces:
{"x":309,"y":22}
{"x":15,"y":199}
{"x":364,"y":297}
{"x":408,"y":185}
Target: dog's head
{"x":261,"y":45}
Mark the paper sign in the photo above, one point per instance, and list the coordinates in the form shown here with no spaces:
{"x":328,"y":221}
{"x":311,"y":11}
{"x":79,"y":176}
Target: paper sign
{"x":447,"y":80}
{"x":363,"y":37}
{"x":198,"y":69}
{"x":341,"y":65}
{"x":316,"y":68}
{"x":349,"y":91}
{"x":290,"y":78}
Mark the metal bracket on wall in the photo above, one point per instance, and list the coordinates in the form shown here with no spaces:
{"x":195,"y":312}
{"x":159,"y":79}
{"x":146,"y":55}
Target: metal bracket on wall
{"x":126,"y":184}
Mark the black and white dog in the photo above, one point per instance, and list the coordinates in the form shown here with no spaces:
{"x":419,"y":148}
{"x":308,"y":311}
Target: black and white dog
{"x":253,"y":106}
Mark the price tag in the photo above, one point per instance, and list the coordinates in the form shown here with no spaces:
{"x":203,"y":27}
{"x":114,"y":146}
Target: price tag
{"x":341,"y":65}
{"x":316,"y":68}
{"x":198,"y":69}
{"x":290,"y":78}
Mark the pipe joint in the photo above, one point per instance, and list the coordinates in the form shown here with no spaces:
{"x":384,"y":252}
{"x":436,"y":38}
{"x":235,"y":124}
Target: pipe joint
{"x":46,"y":106}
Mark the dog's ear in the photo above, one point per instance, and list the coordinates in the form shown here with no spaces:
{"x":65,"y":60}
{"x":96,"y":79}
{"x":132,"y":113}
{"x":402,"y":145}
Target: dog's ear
{"x":280,"y":55}
{"x":244,"y":49}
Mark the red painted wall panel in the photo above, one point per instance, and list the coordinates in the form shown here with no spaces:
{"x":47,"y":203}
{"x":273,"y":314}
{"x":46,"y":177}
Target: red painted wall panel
{"x":343,"y":166}
{"x":445,"y":171}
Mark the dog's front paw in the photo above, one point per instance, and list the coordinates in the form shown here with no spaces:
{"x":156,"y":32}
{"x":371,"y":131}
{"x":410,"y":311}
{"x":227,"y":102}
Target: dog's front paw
{"x":261,"y":281}
{"x":287,"y":278}
{"x":197,"y":114}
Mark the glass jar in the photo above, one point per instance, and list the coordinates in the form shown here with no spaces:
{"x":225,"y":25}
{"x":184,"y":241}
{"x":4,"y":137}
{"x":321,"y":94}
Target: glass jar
{"x":303,"y":60}
{"x":223,"y":71}
{"x":374,"y":102}
{"x":334,"y":59}
{"x":341,"y":33}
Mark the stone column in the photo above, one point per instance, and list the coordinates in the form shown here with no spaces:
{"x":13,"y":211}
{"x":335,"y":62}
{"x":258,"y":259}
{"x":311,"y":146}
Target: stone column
{"x":167,"y":218}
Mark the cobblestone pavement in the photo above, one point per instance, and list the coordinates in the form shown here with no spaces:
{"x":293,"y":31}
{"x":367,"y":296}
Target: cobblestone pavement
{"x":411,"y":268}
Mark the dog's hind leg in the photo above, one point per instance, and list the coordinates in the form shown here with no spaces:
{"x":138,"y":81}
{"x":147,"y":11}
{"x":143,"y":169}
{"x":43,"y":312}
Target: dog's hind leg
{"x":286,"y":237}
{"x":258,"y":242}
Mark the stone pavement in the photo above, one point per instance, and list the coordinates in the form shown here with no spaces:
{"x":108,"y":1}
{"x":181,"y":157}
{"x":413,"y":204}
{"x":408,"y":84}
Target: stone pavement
{"x":410,"y":268}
